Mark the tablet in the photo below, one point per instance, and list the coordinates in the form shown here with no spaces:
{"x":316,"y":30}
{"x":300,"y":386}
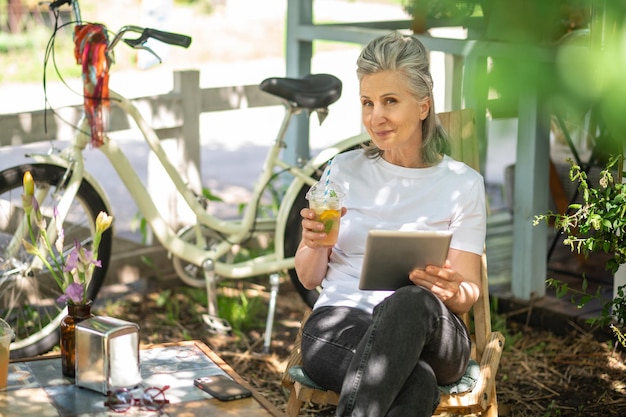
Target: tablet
{"x":391,"y":254}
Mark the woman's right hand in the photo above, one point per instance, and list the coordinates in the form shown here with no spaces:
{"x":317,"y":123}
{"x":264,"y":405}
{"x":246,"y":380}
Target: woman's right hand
{"x":313,"y":231}
{"x":311,"y":260}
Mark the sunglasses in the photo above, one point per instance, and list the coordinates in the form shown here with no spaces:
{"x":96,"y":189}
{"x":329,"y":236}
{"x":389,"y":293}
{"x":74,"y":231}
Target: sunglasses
{"x":152,"y":398}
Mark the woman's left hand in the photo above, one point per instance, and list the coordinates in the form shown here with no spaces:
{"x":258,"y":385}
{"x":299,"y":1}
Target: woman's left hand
{"x":456,"y":284}
{"x":444,"y":282}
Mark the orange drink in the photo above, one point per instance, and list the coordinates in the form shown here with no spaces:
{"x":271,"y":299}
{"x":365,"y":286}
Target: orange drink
{"x":6,"y":334}
{"x":326,"y":199}
{"x":4,"y":366}
{"x":330,"y":218}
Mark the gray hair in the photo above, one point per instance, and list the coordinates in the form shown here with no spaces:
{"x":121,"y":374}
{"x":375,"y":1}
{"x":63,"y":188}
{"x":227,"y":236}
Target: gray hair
{"x":397,"y":52}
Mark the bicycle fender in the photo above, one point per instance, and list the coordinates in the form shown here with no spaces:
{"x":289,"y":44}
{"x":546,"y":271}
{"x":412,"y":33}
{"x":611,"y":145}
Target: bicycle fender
{"x":57,"y":160}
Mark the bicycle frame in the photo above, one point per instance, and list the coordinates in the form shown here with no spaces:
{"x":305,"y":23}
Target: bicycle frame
{"x":234,"y":230}
{"x":212,"y":239}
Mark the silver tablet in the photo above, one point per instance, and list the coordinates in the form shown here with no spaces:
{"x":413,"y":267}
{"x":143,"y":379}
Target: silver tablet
{"x":391,"y":254}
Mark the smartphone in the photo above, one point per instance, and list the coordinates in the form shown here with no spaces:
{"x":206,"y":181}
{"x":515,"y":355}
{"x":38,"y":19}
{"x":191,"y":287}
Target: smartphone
{"x":222,"y":387}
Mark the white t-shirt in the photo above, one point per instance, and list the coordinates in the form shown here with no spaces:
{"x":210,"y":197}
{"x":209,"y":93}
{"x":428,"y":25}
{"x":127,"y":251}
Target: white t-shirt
{"x":380,"y":195}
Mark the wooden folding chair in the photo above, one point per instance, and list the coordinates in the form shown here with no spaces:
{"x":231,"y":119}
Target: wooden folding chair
{"x":487,"y":345}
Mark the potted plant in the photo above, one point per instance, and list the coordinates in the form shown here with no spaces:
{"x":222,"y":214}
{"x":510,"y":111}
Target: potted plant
{"x":72,"y":272}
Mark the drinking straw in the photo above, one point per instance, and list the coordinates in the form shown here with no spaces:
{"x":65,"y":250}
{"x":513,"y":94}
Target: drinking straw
{"x":327,"y":180}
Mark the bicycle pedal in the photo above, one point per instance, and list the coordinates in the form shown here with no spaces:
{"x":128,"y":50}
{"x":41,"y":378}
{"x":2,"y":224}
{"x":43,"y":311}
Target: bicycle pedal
{"x":217,"y":325}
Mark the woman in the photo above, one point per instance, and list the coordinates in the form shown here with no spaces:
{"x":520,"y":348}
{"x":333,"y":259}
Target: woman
{"x":386,"y":352}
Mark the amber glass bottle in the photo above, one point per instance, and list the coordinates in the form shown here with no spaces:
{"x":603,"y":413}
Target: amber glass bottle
{"x":75,"y":314}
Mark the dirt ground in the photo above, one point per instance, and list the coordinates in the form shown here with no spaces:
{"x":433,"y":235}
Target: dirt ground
{"x":540,"y":374}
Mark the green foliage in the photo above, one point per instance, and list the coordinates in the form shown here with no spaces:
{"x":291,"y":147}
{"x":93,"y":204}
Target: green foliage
{"x":204,"y":6}
{"x":440,"y":9}
{"x":184,"y":301}
{"x":554,"y":410}
{"x":115,"y":307}
{"x":621,"y":337}
{"x":172,"y":306}
{"x":599,"y":223}
{"x":596,"y":224}
{"x":578,"y":297}
{"x":208,"y":194}
{"x":530,"y":21}
{"x":498,"y":323}
{"x":242,"y":312}
{"x":15,"y":42}
{"x":196,"y":295}
{"x":140,"y":224}
{"x":22,"y":55}
{"x":276,"y":190}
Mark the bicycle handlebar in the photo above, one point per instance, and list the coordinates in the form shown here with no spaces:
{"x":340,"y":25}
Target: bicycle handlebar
{"x":170,"y":38}
{"x":58,"y":3}
{"x":166,"y":37}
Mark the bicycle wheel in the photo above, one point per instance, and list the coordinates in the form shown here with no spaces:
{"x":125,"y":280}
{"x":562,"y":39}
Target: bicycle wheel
{"x":27,"y":296}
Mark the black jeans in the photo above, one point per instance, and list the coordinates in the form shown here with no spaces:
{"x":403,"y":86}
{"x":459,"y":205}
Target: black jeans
{"x":388,"y":363}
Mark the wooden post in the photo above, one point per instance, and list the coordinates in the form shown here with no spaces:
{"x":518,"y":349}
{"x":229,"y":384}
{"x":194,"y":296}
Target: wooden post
{"x":453,"y":66}
{"x":187,"y":86}
{"x":299,"y":54}
{"x":531,"y":171}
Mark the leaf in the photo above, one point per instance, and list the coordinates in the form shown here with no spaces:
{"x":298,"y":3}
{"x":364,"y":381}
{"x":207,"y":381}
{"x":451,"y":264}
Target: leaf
{"x":163,"y":298}
{"x":206,"y":193}
{"x":562,"y":291}
{"x":328,"y":225}
{"x":584,"y":300}
{"x":147,"y":260}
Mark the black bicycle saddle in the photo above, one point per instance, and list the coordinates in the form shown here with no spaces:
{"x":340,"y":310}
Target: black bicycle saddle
{"x":314,"y":91}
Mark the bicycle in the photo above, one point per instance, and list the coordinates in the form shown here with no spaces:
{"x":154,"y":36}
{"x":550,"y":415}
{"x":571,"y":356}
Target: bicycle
{"x":199,"y":252}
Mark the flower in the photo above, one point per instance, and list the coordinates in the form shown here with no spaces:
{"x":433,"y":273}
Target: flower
{"x":73,"y":272}
{"x":73,"y":292}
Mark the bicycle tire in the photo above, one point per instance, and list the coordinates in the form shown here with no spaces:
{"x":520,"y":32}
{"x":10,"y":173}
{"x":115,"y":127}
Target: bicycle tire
{"x":28,"y":301}
{"x":293,"y":235}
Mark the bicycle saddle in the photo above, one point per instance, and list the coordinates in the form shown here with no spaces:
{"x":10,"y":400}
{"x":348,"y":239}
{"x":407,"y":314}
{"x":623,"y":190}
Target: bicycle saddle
{"x":314,"y":91}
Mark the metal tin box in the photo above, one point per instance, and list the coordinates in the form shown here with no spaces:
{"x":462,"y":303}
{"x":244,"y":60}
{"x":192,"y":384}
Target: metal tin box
{"x":107,"y":354}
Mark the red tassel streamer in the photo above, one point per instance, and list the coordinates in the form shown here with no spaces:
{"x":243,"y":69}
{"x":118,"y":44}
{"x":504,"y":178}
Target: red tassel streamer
{"x":90,"y":51}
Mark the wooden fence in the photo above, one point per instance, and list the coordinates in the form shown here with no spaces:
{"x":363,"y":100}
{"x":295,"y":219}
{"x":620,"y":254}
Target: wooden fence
{"x":172,"y":115}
